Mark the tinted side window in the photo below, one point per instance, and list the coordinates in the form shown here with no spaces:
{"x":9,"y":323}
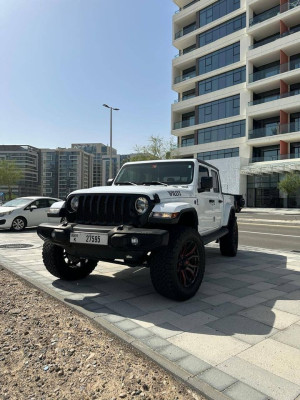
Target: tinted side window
{"x":202,"y":172}
{"x":215,"y":181}
{"x":42,"y":203}
{"x":52,"y":202}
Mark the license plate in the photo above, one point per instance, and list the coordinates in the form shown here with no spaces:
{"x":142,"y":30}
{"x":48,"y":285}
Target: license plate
{"x":90,"y":238}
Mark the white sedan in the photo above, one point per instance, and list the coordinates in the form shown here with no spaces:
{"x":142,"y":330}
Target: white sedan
{"x":24,"y":212}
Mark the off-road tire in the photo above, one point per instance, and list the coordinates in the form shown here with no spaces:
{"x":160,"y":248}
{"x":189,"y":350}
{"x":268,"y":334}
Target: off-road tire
{"x":69,"y":268}
{"x":229,"y":243}
{"x":170,"y":274}
{"x":18,"y":224}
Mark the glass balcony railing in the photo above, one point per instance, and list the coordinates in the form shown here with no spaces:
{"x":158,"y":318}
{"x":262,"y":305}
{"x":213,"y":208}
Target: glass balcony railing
{"x":272,"y":39}
{"x":182,"y":78}
{"x":185,"y":31}
{"x":184,"y":124}
{"x":272,"y":12}
{"x":279,"y":129}
{"x":190,"y":96}
{"x":275,"y":70}
{"x":274,"y":157}
{"x":275,"y":97}
{"x":266,"y":73}
{"x":265,"y":15}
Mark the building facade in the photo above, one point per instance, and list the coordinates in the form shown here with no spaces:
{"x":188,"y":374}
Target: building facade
{"x":27,"y":158}
{"x":237,"y":78}
{"x":100,"y":152}
{"x":65,"y":170}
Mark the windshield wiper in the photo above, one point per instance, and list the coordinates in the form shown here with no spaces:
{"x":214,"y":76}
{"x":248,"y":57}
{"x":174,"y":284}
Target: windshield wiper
{"x":127,"y":183}
{"x":154,"y":183}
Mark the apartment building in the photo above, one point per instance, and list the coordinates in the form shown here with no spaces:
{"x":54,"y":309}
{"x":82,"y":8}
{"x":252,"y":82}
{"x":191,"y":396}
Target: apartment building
{"x":237,"y":78}
{"x":27,"y":158}
{"x":64,"y":170}
{"x":100,"y":151}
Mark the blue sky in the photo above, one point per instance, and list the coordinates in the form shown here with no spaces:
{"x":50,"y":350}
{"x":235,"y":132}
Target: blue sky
{"x":62,"y":59}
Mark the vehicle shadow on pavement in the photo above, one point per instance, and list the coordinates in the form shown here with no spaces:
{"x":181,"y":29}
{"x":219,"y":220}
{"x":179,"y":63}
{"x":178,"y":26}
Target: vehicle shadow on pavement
{"x":250,"y":296}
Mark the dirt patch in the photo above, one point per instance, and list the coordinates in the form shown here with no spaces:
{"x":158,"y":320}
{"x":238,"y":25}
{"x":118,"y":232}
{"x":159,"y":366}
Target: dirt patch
{"x":48,"y":351}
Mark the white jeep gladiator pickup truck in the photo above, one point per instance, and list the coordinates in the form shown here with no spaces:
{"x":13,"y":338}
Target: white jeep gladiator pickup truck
{"x":158,"y":214}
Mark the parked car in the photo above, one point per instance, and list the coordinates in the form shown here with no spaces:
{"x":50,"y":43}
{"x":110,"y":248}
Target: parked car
{"x":23,"y":212}
{"x":155,"y":213}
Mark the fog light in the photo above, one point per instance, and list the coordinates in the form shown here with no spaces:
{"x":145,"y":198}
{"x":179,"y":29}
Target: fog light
{"x":135,"y":241}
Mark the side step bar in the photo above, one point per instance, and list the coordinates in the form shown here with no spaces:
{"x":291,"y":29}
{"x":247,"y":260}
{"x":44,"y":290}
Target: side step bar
{"x":211,"y":237}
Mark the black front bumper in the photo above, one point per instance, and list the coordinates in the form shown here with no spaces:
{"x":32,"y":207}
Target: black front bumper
{"x":119,"y":240}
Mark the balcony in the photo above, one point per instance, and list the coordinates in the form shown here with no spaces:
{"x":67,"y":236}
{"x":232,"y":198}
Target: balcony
{"x":188,"y":5}
{"x":271,"y":39}
{"x":272,"y":12}
{"x":274,"y":158}
{"x":274,"y":70}
{"x":280,"y":129}
{"x":275,"y":97}
{"x":185,"y":123}
{"x":182,"y":78}
{"x":185,"y":31}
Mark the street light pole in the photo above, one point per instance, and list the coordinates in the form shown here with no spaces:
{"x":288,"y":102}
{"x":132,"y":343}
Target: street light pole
{"x":110,"y":139}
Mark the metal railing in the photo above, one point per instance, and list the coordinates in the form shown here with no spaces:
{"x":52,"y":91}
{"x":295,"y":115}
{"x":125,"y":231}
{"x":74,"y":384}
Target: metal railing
{"x":184,"y":124}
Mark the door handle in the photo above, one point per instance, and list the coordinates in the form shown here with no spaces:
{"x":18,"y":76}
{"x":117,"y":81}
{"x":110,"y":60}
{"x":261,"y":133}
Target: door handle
{"x":212,"y":201}
{"x":220,"y":201}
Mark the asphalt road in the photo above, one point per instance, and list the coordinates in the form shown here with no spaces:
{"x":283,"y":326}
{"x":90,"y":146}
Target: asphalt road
{"x":279,"y":232}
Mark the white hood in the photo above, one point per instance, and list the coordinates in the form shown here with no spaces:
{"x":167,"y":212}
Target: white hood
{"x":164,"y":192}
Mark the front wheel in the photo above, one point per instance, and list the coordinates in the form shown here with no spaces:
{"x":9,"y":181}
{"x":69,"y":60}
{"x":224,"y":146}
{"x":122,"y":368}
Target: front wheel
{"x":65,"y":266}
{"x":177,"y":270}
{"x":18,"y":224}
{"x":229,"y":243}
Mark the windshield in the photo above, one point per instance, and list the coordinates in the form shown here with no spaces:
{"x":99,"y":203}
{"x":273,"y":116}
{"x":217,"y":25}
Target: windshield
{"x":169,"y":173}
{"x":16,"y":202}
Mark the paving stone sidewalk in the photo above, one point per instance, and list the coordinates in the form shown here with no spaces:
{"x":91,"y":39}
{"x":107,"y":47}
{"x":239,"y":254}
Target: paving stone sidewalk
{"x":238,"y":338}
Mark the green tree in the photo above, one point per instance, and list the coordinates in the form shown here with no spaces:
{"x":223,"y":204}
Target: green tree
{"x":10,"y":175}
{"x":157,"y":149}
{"x":290,"y":184}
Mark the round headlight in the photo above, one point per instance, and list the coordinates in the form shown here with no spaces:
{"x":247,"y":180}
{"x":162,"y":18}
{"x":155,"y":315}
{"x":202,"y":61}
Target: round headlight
{"x":141,"y":205}
{"x":74,"y":203}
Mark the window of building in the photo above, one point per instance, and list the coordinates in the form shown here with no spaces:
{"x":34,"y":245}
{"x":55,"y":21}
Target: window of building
{"x":214,"y":155}
{"x":217,"y":10}
{"x":219,"y":58}
{"x":222,"y":30}
{"x":222,"y":81}
{"x":219,"y":109}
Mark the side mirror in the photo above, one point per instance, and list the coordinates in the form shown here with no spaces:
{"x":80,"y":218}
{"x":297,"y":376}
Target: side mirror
{"x":109,"y":182}
{"x":206,"y":184}
{"x":31,"y":208}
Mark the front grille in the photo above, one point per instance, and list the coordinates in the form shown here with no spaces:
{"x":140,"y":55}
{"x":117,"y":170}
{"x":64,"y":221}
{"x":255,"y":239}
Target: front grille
{"x":107,"y":209}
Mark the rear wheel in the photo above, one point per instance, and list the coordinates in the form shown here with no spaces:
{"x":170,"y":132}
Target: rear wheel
{"x":229,"y":243}
{"x":177,"y":270}
{"x":65,"y":266}
{"x":18,"y":224}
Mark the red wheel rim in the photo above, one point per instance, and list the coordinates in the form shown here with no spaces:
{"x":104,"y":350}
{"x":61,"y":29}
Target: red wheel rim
{"x":188,"y":264}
